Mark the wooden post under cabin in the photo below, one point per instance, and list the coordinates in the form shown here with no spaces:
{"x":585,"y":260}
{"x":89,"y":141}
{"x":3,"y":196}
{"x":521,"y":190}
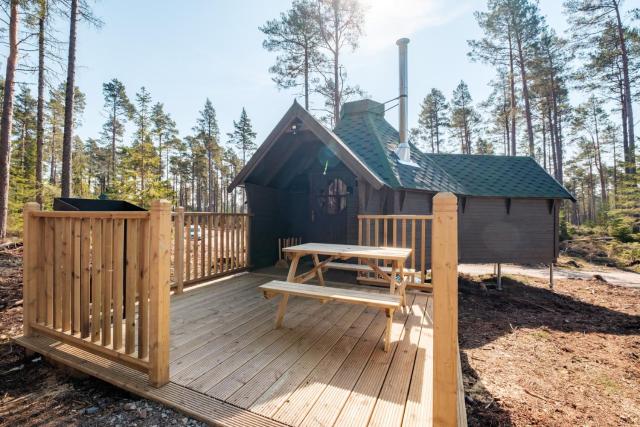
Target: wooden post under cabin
{"x":178,"y":253}
{"x":159,"y":291}
{"x":30,"y":262}
{"x":550,"y":275}
{"x":445,"y":309}
{"x":499,"y":276}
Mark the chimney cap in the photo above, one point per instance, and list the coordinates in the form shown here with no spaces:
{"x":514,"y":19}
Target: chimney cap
{"x":402,"y":41}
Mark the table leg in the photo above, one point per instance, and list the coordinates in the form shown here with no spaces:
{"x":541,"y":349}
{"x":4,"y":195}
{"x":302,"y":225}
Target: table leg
{"x":282,"y":308}
{"x":387,"y":331}
{"x":293,"y":267}
{"x":316,"y":262}
{"x":392,"y":278}
{"x":402,"y":282}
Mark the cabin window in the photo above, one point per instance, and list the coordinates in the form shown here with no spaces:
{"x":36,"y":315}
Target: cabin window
{"x":333,"y":200}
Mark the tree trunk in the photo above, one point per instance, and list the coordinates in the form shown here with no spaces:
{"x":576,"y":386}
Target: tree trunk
{"x":627,"y":91}
{"x":306,"y":77}
{"x":525,"y":96}
{"x":336,"y":90}
{"x":512,"y":88}
{"x":7,"y":118}
{"x":113,"y":140}
{"x":40,"y":107}
{"x":68,"y":105}
{"x":544,"y":142}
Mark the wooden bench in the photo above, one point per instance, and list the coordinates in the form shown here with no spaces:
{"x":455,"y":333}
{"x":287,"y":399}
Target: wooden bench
{"x":388,"y":303}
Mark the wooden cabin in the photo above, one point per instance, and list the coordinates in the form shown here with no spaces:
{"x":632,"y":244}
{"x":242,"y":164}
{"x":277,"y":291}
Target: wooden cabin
{"x":310,"y":182}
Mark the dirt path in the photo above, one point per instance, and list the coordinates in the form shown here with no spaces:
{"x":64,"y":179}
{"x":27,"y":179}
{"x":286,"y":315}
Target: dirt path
{"x":613,"y":276}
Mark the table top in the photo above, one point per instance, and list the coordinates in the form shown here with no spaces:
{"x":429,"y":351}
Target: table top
{"x":351,"y":251}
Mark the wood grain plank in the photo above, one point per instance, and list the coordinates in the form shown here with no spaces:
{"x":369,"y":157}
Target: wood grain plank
{"x":96,"y":279}
{"x":77,"y":273}
{"x":85,"y":278}
{"x":131,"y":286}
{"x":49,"y":268}
{"x":389,"y":408}
{"x":66,"y":265}
{"x":118,"y":281}
{"x":107,"y":284}
{"x":143,"y":289}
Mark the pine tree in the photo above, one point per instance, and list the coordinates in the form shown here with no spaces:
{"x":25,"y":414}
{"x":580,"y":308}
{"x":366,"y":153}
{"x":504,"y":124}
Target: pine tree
{"x":296,"y":37}
{"x":243,"y":137}
{"x":7,"y":117}
{"x":207,"y":128}
{"x":433,"y":117}
{"x":118,"y":109}
{"x":164,"y":130}
{"x":464,"y":118}
{"x":340,"y":23}
{"x":592,"y":22}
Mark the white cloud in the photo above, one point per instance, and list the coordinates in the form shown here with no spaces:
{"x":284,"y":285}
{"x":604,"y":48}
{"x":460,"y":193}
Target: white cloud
{"x":388,"y":20}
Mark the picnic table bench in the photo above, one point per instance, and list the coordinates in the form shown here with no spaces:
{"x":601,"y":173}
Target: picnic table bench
{"x":388,"y":303}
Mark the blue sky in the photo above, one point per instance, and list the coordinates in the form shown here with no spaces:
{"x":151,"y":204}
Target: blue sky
{"x":184,"y":52}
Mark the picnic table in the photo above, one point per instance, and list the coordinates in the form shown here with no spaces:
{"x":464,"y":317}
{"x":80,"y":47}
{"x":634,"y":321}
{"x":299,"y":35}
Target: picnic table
{"x":370,"y":255}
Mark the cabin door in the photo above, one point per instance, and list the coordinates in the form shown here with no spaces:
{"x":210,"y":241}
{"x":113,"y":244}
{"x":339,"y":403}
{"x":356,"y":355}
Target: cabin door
{"x":328,"y":200}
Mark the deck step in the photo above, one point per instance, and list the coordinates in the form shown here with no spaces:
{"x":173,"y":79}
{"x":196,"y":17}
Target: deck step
{"x":197,"y":405}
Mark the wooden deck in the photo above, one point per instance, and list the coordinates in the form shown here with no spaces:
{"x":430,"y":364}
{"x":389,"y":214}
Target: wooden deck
{"x":325,"y":367}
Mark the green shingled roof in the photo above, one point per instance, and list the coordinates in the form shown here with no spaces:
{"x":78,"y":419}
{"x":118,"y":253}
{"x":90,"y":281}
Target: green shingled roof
{"x":365,"y":131}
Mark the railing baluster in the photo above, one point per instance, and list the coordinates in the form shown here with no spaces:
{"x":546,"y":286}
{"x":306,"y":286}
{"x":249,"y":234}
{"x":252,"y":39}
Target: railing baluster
{"x":49,"y":267}
{"x":118,"y":281}
{"x":209,"y":244}
{"x":85,"y":278}
{"x":76,"y":272}
{"x":216,"y":242}
{"x":143,"y":291}
{"x":187,"y":246}
{"x":96,"y":279}
{"x":413,"y":244}
{"x":130,"y":286}
{"x":65,"y":266}
{"x":196,"y":244}
{"x":423,"y":250}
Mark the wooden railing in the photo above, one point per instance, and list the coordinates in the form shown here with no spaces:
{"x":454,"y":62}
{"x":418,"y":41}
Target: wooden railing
{"x":100,"y":281}
{"x":433,"y":238}
{"x":406,"y":231}
{"x":209,"y":245}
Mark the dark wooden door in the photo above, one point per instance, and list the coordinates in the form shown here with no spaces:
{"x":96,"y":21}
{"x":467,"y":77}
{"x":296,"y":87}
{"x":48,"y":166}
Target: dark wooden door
{"x":329,"y":195}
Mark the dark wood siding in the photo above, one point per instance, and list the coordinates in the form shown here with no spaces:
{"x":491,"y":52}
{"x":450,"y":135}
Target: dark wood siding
{"x":487,"y":233}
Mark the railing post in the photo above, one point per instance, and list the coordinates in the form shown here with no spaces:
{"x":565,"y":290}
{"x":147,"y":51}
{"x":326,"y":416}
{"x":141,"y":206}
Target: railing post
{"x":159,"y":290}
{"x":178,"y":253}
{"x":29,"y":265}
{"x":445,"y":309}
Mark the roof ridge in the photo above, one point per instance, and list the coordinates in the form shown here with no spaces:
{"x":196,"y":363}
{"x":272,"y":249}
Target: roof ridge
{"x":374,"y":129}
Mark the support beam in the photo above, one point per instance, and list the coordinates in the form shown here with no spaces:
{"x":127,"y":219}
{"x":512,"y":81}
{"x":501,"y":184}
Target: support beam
{"x":445,"y":309}
{"x":499,"y":276}
{"x":30,"y":267}
{"x":178,"y":255}
{"x":551,"y":275}
{"x":159,"y":291}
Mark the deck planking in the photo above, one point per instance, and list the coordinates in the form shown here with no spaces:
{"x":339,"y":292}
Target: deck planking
{"x":325,"y":366}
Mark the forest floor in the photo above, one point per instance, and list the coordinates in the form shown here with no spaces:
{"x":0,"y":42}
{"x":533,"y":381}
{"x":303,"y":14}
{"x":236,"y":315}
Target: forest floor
{"x":530,"y":356}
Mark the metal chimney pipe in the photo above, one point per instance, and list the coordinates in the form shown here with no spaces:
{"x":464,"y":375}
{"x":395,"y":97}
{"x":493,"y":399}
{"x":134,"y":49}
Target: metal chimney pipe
{"x":404,"y":152}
